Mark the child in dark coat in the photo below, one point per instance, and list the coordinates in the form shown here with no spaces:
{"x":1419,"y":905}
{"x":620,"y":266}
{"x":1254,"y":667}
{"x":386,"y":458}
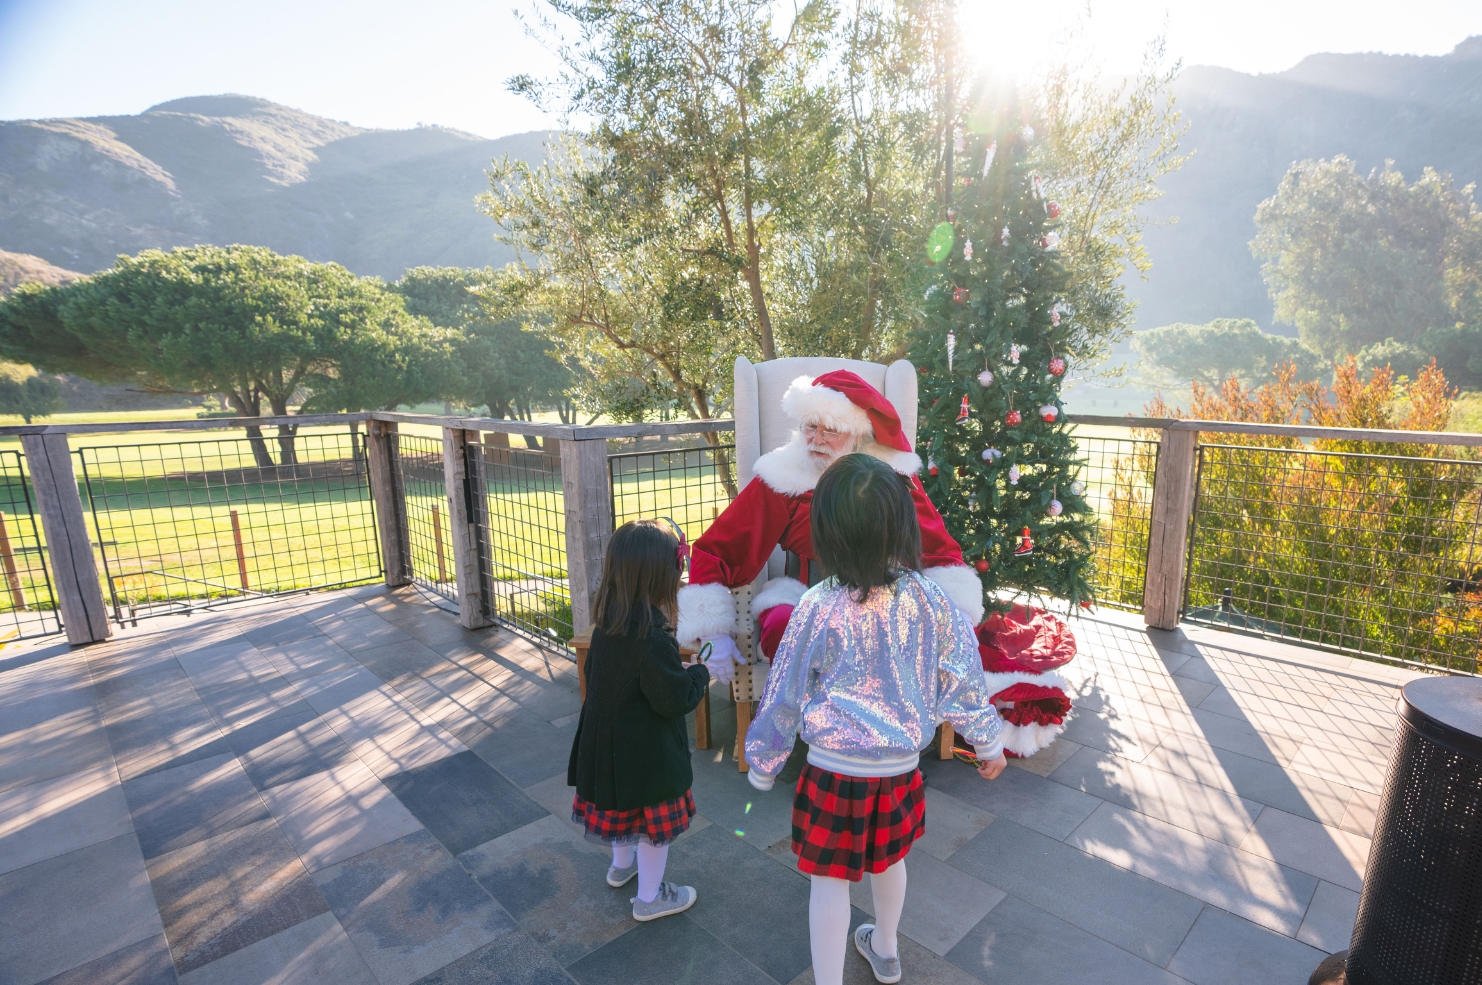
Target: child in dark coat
{"x":630,"y":761}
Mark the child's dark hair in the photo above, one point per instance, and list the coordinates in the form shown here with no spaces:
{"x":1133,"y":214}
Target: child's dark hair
{"x":864,"y":523}
{"x":640,"y":570}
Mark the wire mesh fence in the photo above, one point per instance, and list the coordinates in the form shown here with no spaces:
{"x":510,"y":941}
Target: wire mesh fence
{"x":189,"y":523}
{"x":1363,"y":553}
{"x":517,"y":502}
{"x":1118,"y":476}
{"x":421,"y":488}
{"x":28,"y":607}
{"x":691,"y":486}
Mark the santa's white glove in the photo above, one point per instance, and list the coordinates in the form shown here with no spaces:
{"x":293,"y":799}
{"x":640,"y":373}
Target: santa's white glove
{"x":724,"y":656}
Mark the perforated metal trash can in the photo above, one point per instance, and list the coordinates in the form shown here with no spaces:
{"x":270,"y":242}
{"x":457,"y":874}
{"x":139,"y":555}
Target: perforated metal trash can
{"x":1420,"y":915}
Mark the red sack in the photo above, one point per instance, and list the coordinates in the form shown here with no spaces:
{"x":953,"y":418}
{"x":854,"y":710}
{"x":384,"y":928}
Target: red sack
{"x":1024,"y":639}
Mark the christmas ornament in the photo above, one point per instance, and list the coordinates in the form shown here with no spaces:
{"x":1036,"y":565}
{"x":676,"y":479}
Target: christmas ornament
{"x":962,"y":414}
{"x":1027,"y":134}
{"x":921,"y":370}
{"x":991,"y":454}
{"x":1015,"y":351}
{"x":939,"y":243}
{"x":959,"y":143}
{"x":1086,"y":603}
{"x":1054,"y":209}
{"x":1050,"y":240}
{"x":952,"y":214}
{"x":1057,"y":366}
{"x":1026,"y":545}
{"x":982,"y":565}
{"x":972,"y":503}
{"x":1004,"y":236}
{"x":967,"y":182}
{"x":1037,"y":184}
{"x":985,"y":378}
{"x":931,"y":466}
{"x":1013,"y":418}
{"x":1078,"y":487}
{"x":1055,"y":313}
{"x":962,"y":472}
{"x":988,"y":159}
{"x":951,"y":345}
{"x":960,"y":295}
{"x":1055,"y":508}
{"x":1013,"y":475}
{"x":967,"y":250}
{"x":1048,"y":413}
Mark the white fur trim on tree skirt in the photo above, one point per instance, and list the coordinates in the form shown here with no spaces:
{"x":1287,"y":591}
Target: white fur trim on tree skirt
{"x":705,"y":611}
{"x":778,"y":591}
{"x":1003,"y":681}
{"x":805,"y":402}
{"x":1026,"y":740}
{"x":962,"y":586}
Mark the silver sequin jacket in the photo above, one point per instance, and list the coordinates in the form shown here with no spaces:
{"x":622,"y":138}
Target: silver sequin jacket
{"x":871,"y":681}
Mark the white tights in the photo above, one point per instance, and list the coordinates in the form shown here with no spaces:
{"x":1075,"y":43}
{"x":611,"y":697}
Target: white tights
{"x":651,"y":859}
{"x":828,"y":920}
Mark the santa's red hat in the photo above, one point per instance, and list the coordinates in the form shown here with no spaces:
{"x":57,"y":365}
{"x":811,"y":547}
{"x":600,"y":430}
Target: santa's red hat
{"x":844,"y":402}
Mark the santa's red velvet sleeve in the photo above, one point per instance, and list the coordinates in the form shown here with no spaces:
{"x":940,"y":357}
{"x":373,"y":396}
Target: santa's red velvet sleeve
{"x":731,"y":553}
{"x":941,"y":557}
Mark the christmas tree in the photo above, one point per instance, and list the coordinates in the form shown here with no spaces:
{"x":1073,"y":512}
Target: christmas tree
{"x":993,"y":352}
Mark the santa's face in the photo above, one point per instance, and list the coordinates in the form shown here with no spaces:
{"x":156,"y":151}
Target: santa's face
{"x":824,"y":445}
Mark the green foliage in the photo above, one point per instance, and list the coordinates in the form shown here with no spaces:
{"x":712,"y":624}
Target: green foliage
{"x":1177,"y":355}
{"x":26,"y":393}
{"x":1005,"y":308}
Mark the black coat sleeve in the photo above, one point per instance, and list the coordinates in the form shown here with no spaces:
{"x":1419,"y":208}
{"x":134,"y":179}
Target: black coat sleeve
{"x":672,"y":689}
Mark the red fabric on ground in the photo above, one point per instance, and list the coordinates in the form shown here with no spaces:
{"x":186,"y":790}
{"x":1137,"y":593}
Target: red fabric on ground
{"x":1024,"y":639}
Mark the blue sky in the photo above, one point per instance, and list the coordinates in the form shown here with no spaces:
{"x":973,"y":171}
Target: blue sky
{"x":381,"y":64}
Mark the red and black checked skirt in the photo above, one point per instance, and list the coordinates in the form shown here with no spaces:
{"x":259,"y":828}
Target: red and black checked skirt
{"x":658,"y":824}
{"x":845,"y":826}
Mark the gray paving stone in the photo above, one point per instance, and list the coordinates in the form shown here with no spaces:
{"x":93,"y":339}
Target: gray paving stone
{"x":146,"y":962}
{"x":463,"y":801}
{"x":396,"y":659}
{"x":338,"y":814}
{"x":37,"y":695}
{"x":1047,"y":760}
{"x":180,"y":806}
{"x":1030,"y":800}
{"x":552,"y":882}
{"x":307,"y":658}
{"x":410,"y":908}
{"x":1017,"y":942}
{"x":1328,"y":925}
{"x":60,"y":815}
{"x":1328,"y":853}
{"x":288,"y":748}
{"x":72,"y":909}
{"x":1259,"y":889}
{"x":553,"y":794}
{"x":220,"y":663}
{"x":524,"y":751}
{"x":667,"y":952}
{"x":363,"y":632}
{"x":1135,"y":913}
{"x":68,"y":743}
{"x":1099,"y":726}
{"x":316,"y":950}
{"x":950,"y":824}
{"x":1223,"y":949}
{"x":252,"y":699}
{"x":514,"y":959}
{"x":158,"y":740}
{"x":918,"y":965}
{"x":223,"y":893}
{"x":1359,"y":815}
{"x":275,"y":629}
{"x":1187,"y":803}
{"x":942,"y":903}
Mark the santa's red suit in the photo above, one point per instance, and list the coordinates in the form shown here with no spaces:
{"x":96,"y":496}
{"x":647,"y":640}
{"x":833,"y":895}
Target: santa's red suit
{"x":775,"y":508}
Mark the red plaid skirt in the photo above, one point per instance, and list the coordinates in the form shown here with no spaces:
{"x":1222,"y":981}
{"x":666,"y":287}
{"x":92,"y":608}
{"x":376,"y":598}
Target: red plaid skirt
{"x":658,"y":824}
{"x":845,"y":826}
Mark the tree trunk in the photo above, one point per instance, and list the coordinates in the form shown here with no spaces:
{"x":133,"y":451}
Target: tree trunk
{"x":251,"y":406}
{"x":287,"y":453}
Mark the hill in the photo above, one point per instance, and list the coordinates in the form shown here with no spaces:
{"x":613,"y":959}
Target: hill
{"x":18,"y":268}
{"x":236,"y":169}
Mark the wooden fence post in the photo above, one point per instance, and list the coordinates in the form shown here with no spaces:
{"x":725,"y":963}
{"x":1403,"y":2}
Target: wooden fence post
{"x":74,"y":570}
{"x":584,"y":481}
{"x":386,"y":493}
{"x":1168,"y":534}
{"x":465,"y":533}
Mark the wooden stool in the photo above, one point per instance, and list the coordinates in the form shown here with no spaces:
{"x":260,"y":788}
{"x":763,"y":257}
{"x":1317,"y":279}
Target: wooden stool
{"x":582,"y":642}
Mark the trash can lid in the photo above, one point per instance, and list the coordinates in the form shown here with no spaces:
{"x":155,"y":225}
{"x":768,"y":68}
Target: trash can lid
{"x":1448,"y":710}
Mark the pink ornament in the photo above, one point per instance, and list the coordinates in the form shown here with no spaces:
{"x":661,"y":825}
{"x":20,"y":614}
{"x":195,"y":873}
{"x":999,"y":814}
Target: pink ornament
{"x":1048,"y":413}
{"x":985,"y":378}
{"x":1038,"y":186}
{"x":1054,"y":209}
{"x":967,"y":250}
{"x":1057,"y":366}
{"x":1055,"y":313}
{"x":1003,"y":237}
{"x":961,"y":294}
{"x":1015,"y":351}
{"x":1013,"y":418}
{"x":963,"y":414}
{"x":1013,"y":475}
{"x":1054,"y":509}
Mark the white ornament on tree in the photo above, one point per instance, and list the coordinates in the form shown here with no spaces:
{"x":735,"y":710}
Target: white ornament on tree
{"x":985,"y":378}
{"x":1078,"y":487}
{"x":988,"y":159}
{"x":1055,"y":509}
{"x":991,"y":454}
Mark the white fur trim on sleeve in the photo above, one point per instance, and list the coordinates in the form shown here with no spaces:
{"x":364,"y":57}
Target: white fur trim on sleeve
{"x":778,"y":591}
{"x":705,"y":611}
{"x":962,"y":586}
{"x":805,"y":402}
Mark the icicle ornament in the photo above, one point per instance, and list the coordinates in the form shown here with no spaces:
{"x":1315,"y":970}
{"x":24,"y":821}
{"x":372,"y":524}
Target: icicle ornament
{"x":951,"y":347}
{"x":988,"y":158}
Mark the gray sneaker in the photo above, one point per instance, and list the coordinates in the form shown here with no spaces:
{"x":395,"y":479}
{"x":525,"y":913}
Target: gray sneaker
{"x":618,"y":878}
{"x":672,"y":899}
{"x":886,"y":969}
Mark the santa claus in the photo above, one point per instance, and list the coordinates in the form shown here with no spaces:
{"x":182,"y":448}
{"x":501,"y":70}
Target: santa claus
{"x":837,"y":413}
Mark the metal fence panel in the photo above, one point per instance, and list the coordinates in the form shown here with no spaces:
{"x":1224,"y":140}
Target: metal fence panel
{"x":28,"y":607}
{"x":691,"y":486}
{"x":1369,"y":554}
{"x":1118,"y":476}
{"x":190,"y":523}
{"x":421,"y":483}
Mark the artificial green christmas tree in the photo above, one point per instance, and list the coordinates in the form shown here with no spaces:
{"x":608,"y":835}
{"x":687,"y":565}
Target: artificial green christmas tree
{"x":993,"y":352}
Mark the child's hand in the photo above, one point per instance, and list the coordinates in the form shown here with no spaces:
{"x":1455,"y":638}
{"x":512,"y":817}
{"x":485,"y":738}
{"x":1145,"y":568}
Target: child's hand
{"x":989,"y":769}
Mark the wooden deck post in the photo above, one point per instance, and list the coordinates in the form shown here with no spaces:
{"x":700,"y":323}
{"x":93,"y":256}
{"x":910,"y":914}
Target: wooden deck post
{"x":467,"y":573}
{"x":588,"y":521}
{"x":73,"y":568}
{"x":386,"y":493}
{"x":1168,"y":533}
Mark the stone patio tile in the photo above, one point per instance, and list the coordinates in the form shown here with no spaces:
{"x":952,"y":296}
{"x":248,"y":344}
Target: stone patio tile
{"x":444,"y":709}
{"x":462,"y":801}
{"x":1223,"y":949}
{"x":942,"y":902}
{"x":60,"y":815}
{"x":68,"y":743}
{"x":513,"y":959}
{"x":395,"y":659}
{"x":185,"y":804}
{"x":410,"y":908}
{"x":276,"y":628}
{"x":1252,"y":779}
{"x":434,"y":627}
{"x":1328,"y":925}
{"x":552,"y":881}
{"x":950,"y":824}
{"x":337,"y":814}
{"x":288,"y":748}
{"x":231,"y":890}
{"x":667,"y":952}
{"x":1360,"y":815}
{"x":1328,"y":853}
{"x":1152,"y":682}
{"x":316,"y":950}
{"x":391,"y":752}
{"x":224,"y":662}
{"x":74,"y":908}
{"x":199,"y":632}
{"x":41,"y":692}
{"x":1047,"y":760}
{"x":1187,"y":803}
{"x":1267,"y":685}
{"x":524,"y":751}
{"x":1030,"y":800}
{"x":1111,"y":730}
{"x":331,"y":690}
{"x":1016,"y":942}
{"x":920,"y":967}
{"x":146,"y":962}
{"x":1360,"y":765}
{"x":723,"y":795}
{"x":174,"y":736}
{"x":553,"y":794}
{"x":319,"y":606}
{"x":1272,"y":895}
{"x":251,"y":699}
{"x":363,"y":632}
{"x":307,"y":658}
{"x":1133,"y":912}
